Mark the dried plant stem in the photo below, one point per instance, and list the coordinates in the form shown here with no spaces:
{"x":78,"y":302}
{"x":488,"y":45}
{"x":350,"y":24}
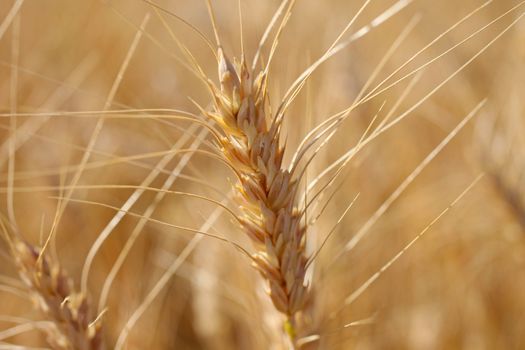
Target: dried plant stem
{"x":512,"y":194}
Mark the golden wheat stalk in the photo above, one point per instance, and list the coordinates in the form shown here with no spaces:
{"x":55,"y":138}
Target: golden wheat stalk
{"x":250,"y":142}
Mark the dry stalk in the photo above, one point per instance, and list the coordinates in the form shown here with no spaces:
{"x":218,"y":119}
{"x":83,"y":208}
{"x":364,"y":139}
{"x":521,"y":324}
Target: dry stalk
{"x":250,"y":142}
{"x":504,"y":161}
{"x":500,"y":136}
{"x":69,"y":311}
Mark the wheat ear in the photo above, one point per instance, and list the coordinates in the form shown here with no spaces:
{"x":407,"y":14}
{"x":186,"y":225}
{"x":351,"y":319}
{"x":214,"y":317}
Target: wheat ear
{"x":69,"y":311}
{"x":266,"y":191}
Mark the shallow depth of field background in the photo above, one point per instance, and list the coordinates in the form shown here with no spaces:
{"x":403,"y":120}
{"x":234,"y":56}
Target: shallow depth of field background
{"x":460,"y":287}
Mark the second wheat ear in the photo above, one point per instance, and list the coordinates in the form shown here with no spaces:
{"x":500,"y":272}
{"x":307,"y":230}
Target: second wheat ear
{"x":72,"y":326}
{"x":250,"y":142}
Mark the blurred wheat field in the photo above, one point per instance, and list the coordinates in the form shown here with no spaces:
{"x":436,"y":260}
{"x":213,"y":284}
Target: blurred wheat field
{"x":417,"y":239}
